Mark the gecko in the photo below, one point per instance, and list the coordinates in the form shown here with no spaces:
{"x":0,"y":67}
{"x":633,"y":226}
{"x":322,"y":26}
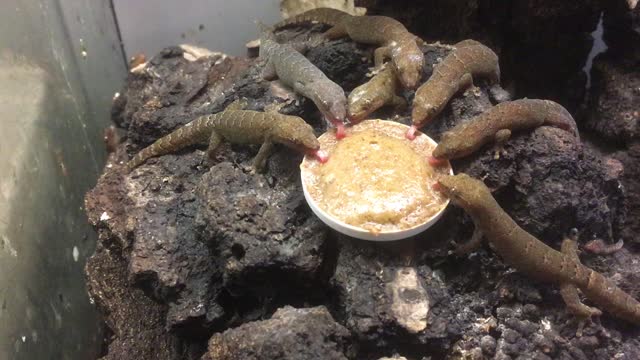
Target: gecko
{"x":239,"y":127}
{"x":497,"y":124}
{"x":395,"y":41}
{"x":455,"y":73}
{"x":374,"y":94}
{"x":533,"y":257}
{"x":294,"y":70}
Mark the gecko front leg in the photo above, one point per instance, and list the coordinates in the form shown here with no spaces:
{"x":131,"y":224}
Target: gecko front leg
{"x":380,"y":54}
{"x":472,"y":244}
{"x":214,"y":141}
{"x":398,"y":102}
{"x":501,"y":138}
{"x":269,"y":71}
{"x":260,"y":161}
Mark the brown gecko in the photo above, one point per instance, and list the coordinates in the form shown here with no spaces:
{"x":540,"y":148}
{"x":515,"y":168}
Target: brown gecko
{"x":238,"y":127}
{"x":395,"y":41}
{"x":379,"y":91}
{"x":497,"y":124}
{"x":469,"y":60}
{"x":531,"y":256}
{"x":284,"y":62}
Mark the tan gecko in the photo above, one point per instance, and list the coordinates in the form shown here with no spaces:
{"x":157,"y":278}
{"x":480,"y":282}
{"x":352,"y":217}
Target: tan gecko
{"x":534,"y":258}
{"x":395,"y":41}
{"x":497,"y":124}
{"x":381,"y":90}
{"x":238,"y":127}
{"x":468,"y":61}
{"x":284,"y":62}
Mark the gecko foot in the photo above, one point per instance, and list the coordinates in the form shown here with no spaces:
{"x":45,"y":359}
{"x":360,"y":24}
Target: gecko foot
{"x":411,"y":133}
{"x":498,"y":152}
{"x":598,"y":246}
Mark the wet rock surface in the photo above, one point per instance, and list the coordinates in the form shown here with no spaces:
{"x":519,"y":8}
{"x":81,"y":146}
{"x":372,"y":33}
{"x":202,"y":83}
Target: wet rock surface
{"x":193,"y":249}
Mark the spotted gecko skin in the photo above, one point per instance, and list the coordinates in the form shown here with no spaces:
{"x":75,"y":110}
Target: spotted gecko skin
{"x":381,"y":90}
{"x":238,"y":127}
{"x":293,"y":69}
{"x":395,"y":41}
{"x":497,"y":124}
{"x":534,"y":258}
{"x":467,"y":62}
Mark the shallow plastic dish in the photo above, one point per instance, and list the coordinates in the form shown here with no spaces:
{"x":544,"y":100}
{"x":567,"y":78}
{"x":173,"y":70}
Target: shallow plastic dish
{"x":360,"y":233}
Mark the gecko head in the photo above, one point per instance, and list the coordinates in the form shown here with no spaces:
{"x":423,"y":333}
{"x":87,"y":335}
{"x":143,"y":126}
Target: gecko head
{"x":464,"y":191}
{"x":423,"y":112}
{"x":332,"y":103}
{"x":408,"y":61}
{"x":362,"y":104}
{"x":452,"y":147}
{"x":295,"y":133}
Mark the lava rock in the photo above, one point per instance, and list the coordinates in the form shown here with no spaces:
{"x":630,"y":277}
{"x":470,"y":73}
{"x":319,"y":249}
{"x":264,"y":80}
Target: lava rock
{"x":135,"y":321}
{"x":630,"y":159}
{"x":390,"y":298}
{"x":167,"y":259}
{"x":171,"y":90}
{"x":621,"y":30}
{"x":290,"y":334}
{"x":548,"y":182}
{"x":540,"y":29}
{"x":259,"y":227}
{"x":614,"y":97}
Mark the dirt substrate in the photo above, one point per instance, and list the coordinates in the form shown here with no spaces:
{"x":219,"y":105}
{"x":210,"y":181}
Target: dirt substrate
{"x":204,"y":259}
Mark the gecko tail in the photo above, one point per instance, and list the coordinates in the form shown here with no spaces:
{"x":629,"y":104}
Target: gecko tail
{"x":611,"y":298}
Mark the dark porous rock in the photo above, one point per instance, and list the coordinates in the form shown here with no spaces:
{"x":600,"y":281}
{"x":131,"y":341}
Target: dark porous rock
{"x":614,"y":97}
{"x":259,"y":227}
{"x":527,"y":35}
{"x":621,"y":30}
{"x":172,"y":89}
{"x":167,"y":259}
{"x":135,"y":322}
{"x":344,"y":61}
{"x":295,"y":334}
{"x":391,"y":299}
{"x":631,"y":180}
{"x":550,"y":183}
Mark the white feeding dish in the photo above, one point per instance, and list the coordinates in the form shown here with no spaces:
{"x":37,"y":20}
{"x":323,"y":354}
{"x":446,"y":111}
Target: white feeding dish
{"x":361,"y":233}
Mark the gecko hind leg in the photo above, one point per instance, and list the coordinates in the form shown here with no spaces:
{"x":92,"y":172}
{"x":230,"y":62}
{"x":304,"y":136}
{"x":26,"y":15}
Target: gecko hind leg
{"x":472,"y":244}
{"x":501,"y":137}
{"x":569,"y":292}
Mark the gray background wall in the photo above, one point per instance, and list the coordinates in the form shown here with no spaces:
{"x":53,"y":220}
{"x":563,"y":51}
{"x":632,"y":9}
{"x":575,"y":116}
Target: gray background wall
{"x":147,"y":26}
{"x":60,"y":64}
